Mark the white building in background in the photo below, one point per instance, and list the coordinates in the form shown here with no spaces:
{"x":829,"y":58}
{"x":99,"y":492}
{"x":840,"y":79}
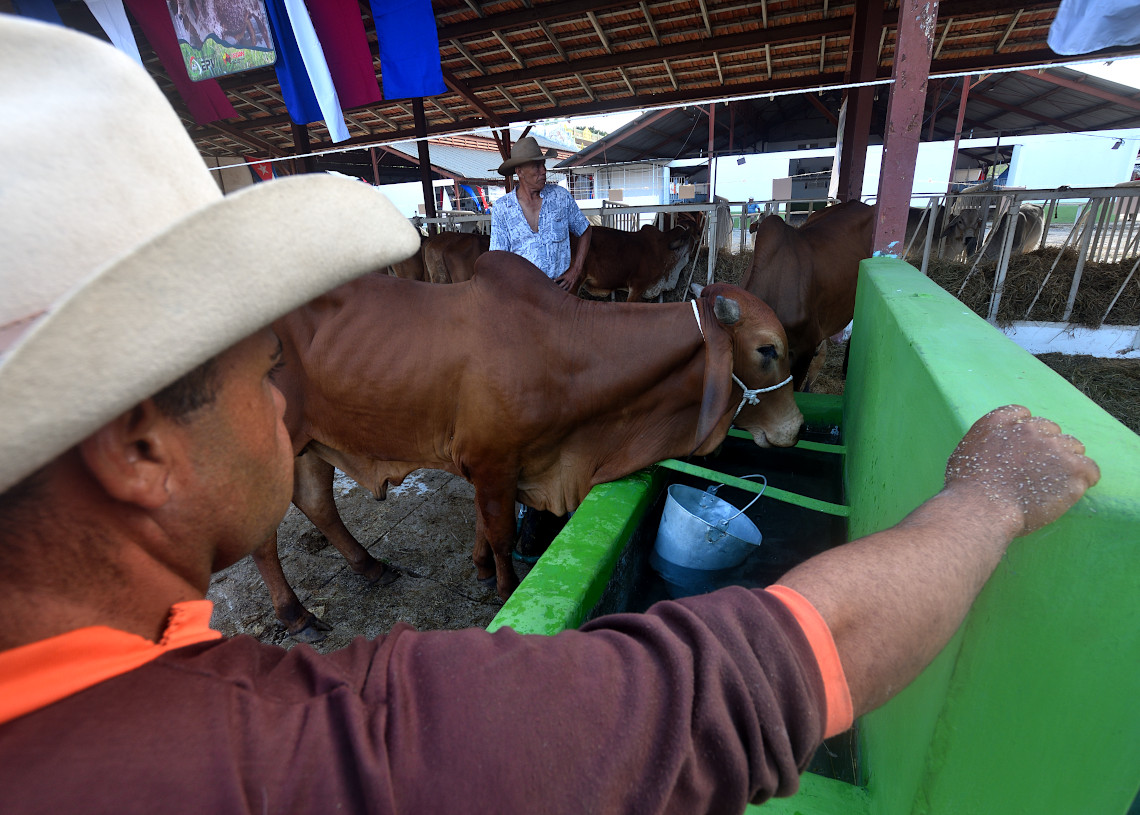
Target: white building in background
{"x":1096,"y":159}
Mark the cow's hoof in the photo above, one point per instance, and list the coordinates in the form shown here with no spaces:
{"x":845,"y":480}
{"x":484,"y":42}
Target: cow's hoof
{"x":491,"y":582}
{"x":380,"y":575}
{"x":312,"y":629}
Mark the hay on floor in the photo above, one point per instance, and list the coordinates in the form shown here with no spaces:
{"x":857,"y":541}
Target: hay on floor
{"x":1099,"y":284}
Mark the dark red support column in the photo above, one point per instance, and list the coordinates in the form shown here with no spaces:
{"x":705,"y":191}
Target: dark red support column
{"x":425,"y":161}
{"x":913,"y":47}
{"x":958,"y":131}
{"x":865,"y":32}
{"x":303,"y":163}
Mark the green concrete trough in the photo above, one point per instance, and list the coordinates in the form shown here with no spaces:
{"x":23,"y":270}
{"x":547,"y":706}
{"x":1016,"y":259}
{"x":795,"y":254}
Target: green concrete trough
{"x":1034,"y":706}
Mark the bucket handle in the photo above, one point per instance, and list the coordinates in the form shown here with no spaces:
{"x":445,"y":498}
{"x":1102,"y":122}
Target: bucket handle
{"x":712,"y":491}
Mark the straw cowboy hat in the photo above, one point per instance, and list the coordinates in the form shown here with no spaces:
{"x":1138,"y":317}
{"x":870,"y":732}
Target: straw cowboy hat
{"x":123,"y":265}
{"x":524,"y":151}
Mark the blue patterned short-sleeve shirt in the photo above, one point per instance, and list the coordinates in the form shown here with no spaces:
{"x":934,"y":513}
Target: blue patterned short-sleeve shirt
{"x":549,"y":248}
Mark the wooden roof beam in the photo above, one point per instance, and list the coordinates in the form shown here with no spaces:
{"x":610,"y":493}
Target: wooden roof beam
{"x":527,"y":17}
{"x":705,"y":18}
{"x":942,"y":39}
{"x":1084,"y":87}
{"x":822,"y":108}
{"x":1008,"y":31}
{"x":628,"y":84}
{"x":510,"y":49}
{"x":252,"y":142}
{"x":586,"y":87}
{"x":649,"y":22}
{"x":442,"y":109}
{"x":598,"y":147}
{"x":601,"y":34}
{"x":510,"y":99}
{"x":469,"y":56}
{"x":546,"y":92}
{"x":460,"y":87}
{"x":1028,"y":114}
{"x":553,"y":40}
{"x":748,"y":41}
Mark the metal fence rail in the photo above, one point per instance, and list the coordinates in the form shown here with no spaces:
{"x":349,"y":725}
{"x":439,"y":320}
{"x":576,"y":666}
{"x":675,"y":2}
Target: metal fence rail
{"x":1105,"y":227}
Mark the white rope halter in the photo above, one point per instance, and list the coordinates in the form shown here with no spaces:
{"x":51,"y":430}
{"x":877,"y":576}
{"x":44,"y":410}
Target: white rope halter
{"x":751,"y":395}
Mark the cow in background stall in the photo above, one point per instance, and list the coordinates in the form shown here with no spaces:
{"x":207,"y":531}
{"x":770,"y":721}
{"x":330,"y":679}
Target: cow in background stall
{"x":1028,"y":229}
{"x":527,"y":392}
{"x":946,"y":240}
{"x":1126,"y":207}
{"x":449,"y":257}
{"x":807,"y":275}
{"x":697,"y":223}
{"x":446,"y":257}
{"x":643,"y":263}
{"x":412,"y":267}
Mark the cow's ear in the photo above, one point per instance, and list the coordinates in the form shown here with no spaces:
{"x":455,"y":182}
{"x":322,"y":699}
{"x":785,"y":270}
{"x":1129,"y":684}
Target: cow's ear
{"x":727,"y":310}
{"x":717,"y":387}
{"x":696,"y":289}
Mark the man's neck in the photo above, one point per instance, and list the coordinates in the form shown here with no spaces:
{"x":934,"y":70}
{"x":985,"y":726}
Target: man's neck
{"x":107,"y":569}
{"x":530,"y":195}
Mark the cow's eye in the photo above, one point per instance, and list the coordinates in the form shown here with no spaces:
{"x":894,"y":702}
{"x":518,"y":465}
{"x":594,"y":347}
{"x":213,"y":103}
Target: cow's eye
{"x":768,"y":351}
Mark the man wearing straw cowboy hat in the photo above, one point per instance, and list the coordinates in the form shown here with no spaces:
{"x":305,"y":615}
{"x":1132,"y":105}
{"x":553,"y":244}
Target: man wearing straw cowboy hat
{"x":535,"y":219}
{"x":142,"y":448}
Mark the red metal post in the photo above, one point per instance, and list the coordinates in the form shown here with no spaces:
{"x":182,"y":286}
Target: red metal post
{"x":712,"y":125}
{"x":958,"y":132}
{"x":864,"y":61}
{"x":913,"y":48}
{"x":425,"y":161}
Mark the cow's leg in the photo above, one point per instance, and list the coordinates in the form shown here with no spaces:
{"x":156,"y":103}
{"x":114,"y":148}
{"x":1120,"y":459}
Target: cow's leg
{"x":815,"y":366}
{"x":312,"y":494}
{"x":799,"y":369}
{"x":298,"y":620}
{"x":495,"y":537}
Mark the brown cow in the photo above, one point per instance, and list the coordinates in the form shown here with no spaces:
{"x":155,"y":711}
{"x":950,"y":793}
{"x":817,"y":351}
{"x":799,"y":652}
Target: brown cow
{"x":411,"y":268}
{"x":645,"y":263}
{"x":520,"y":393}
{"x":449,"y":257}
{"x":808,"y":275}
{"x":446,"y":257}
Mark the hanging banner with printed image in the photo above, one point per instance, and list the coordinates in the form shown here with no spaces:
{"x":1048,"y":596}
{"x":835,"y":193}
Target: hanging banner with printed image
{"x":220,"y":37}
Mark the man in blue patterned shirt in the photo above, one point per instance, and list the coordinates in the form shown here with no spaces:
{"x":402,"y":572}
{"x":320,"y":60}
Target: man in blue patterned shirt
{"x":535,"y":219}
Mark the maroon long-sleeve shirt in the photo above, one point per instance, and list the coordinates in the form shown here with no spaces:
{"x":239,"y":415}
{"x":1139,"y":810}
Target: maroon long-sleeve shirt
{"x":699,"y":705}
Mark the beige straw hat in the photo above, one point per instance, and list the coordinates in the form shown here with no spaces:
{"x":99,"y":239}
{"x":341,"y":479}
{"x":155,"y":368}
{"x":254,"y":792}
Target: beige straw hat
{"x":122,"y":266}
{"x":524,"y":151}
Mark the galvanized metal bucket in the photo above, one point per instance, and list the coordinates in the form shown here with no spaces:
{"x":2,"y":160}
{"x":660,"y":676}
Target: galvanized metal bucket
{"x":698,"y":530}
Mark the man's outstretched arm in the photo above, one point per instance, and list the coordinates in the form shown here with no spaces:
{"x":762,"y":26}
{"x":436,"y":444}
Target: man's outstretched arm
{"x":893,"y":599}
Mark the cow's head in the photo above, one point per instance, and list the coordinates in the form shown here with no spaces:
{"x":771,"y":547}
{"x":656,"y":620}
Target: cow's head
{"x":759,"y":360}
{"x":961,"y":233}
{"x":678,"y":245}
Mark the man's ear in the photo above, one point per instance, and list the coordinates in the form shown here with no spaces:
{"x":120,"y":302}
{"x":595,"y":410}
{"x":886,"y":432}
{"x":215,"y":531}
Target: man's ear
{"x":131,"y":456}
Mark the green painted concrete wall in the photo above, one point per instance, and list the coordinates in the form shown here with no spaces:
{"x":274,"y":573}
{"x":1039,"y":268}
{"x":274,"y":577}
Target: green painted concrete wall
{"x":1035,"y":705}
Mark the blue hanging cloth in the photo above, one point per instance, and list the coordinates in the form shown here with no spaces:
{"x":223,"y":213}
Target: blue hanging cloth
{"x":42,"y":10}
{"x":409,"y":48}
{"x":296,"y":89}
